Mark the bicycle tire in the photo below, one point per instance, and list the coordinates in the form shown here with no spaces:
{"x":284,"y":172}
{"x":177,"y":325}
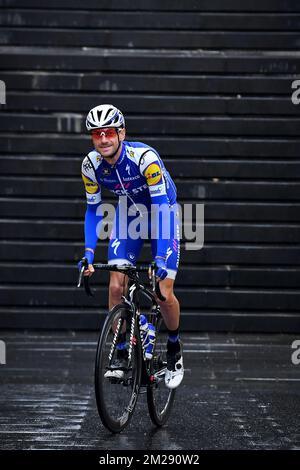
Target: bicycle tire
{"x":159,"y":398}
{"x":116,"y":399}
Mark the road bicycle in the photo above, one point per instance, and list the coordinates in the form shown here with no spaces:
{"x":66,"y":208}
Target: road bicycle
{"x":117,"y":397}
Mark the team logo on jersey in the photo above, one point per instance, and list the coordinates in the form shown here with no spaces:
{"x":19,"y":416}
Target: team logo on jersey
{"x":115,"y":245}
{"x":91,"y":198}
{"x":90,"y":186}
{"x":87,"y":165}
{"x":157,"y":190}
{"x":131,"y":256}
{"x":106,"y":171}
{"x":128,"y":168}
{"x":131,"y":153}
{"x":153,"y":174}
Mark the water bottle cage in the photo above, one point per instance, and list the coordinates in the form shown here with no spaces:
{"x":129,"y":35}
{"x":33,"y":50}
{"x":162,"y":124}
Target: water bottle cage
{"x":148,"y":344}
{"x":144,"y":337}
{"x":147,"y":333}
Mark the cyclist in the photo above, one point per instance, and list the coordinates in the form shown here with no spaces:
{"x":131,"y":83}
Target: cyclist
{"x":135,"y":171}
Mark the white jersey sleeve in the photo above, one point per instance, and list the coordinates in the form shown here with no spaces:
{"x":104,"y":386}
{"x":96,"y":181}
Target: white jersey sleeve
{"x":152,"y":169}
{"x":92,"y":188}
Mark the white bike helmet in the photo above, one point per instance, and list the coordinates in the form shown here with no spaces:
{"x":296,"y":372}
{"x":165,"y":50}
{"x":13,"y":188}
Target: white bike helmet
{"x":105,"y":115}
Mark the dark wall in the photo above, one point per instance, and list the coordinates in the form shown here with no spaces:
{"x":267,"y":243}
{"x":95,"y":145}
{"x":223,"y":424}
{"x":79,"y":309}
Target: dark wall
{"x":209,"y":85}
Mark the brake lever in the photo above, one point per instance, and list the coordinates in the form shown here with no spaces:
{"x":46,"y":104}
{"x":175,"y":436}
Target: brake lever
{"x":86,"y":283}
{"x":80,"y":276}
{"x":155,"y":284}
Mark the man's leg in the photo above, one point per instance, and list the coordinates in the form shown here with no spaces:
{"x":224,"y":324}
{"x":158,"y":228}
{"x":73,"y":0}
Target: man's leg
{"x":170,"y":308}
{"x":117,"y":288}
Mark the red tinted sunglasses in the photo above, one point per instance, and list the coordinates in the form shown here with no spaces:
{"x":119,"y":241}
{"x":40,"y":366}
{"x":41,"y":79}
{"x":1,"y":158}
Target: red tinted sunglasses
{"x":109,"y":133}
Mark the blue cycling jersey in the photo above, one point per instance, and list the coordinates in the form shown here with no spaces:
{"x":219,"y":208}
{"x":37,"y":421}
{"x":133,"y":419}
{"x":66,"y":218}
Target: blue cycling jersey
{"x":139,"y":174}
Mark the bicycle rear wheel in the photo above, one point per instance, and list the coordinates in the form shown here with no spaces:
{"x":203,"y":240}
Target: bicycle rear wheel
{"x":116,"y":397}
{"x":160,"y":398}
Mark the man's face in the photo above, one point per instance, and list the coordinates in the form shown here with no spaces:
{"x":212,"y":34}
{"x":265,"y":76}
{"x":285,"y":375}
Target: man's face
{"x":106,"y":140}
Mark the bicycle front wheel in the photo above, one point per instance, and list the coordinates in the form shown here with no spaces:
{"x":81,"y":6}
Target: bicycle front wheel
{"x":117,"y":396}
{"x":159,"y":397}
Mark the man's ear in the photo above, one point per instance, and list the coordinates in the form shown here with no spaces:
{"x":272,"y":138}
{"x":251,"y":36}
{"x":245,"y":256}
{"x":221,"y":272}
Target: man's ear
{"x":122,"y":134}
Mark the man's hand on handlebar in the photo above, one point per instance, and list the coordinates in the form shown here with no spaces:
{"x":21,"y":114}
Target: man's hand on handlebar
{"x":89,"y":272}
{"x":89,"y":269}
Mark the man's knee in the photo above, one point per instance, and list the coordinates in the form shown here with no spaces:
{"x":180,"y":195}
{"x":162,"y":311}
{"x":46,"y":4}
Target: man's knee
{"x":115,"y":291}
{"x":117,"y":285}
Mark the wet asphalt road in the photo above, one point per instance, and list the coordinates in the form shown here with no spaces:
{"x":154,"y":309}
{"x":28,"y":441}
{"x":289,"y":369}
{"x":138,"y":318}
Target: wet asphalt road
{"x":240,"y":391}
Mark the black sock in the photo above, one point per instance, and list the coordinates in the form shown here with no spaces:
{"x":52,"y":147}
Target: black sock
{"x":173,"y":335}
{"x":173,"y":344}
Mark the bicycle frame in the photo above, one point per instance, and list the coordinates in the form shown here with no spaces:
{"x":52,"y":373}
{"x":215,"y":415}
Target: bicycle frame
{"x":116,"y":407}
{"x":131,"y":299}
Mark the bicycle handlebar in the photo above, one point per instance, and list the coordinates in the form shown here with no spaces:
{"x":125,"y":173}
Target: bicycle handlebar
{"x":127,"y":269}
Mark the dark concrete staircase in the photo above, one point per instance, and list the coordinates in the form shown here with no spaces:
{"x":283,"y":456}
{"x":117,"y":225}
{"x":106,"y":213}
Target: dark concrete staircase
{"x":209,"y":85}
